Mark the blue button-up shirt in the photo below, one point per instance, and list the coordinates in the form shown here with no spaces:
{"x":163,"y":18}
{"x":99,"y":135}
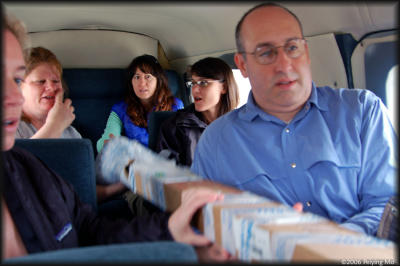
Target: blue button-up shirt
{"x":337,"y":156}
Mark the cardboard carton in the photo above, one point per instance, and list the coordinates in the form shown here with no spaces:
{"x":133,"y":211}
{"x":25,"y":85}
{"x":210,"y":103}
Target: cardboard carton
{"x":218,"y":216}
{"x":284,"y":239}
{"x":153,"y":188}
{"x":253,"y":243}
{"x":345,"y":254}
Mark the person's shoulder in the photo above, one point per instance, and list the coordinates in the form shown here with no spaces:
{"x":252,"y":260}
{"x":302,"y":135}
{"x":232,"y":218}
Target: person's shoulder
{"x":71,"y":132}
{"x":346,"y":95}
{"x":170,"y":121}
{"x":120,"y":104}
{"x":19,"y":154}
{"x":177,"y":100}
{"x":25,"y":130}
{"x":224,"y":122}
{"x":178,"y":104}
{"x":119,"y":107}
{"x":179,"y":116}
{"x":190,"y":109}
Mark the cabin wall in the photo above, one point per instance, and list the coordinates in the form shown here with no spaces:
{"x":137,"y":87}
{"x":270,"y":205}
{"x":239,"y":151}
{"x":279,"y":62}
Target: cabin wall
{"x":113,"y":49}
{"x":95,"y":48}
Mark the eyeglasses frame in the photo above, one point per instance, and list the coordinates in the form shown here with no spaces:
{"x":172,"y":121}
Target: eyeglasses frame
{"x":303,"y":40}
{"x":190,"y":84}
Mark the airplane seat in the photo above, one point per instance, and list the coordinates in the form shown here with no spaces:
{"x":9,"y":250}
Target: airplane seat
{"x":77,"y":167}
{"x":388,"y":227}
{"x":93,"y":92}
{"x":175,"y":84}
{"x":155,"y":121}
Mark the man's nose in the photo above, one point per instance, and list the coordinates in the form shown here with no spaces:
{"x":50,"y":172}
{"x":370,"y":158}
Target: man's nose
{"x":283,"y":62}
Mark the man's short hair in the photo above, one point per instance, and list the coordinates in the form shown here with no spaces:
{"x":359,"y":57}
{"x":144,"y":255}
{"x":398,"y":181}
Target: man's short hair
{"x":239,"y":44}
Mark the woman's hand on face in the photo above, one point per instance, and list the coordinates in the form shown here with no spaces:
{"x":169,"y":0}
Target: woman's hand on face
{"x":62,"y":113}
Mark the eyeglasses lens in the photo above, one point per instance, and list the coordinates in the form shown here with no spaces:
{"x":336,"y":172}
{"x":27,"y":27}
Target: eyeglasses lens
{"x":267,"y":54}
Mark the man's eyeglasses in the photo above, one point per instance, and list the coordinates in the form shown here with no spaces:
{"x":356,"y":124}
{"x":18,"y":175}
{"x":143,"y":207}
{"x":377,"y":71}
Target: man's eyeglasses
{"x":267,"y":53}
{"x":201,"y":83}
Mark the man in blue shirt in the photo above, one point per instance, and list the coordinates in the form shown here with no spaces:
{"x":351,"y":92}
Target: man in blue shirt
{"x":332,"y":150}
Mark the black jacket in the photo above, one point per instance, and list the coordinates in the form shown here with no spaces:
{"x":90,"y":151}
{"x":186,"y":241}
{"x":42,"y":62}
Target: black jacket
{"x":49,"y":215}
{"x":180,"y":134}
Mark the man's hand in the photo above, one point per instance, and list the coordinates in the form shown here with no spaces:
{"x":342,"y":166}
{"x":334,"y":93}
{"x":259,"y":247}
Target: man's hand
{"x":298,"y":207}
{"x":179,"y":222}
{"x":213,"y":253}
{"x":181,"y":230}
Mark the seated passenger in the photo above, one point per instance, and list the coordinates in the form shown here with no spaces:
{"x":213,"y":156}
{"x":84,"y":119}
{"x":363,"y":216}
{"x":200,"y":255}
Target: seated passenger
{"x":41,"y":212}
{"x":147,"y":91}
{"x":215,"y":93}
{"x":44,"y":113}
{"x":333,"y":151}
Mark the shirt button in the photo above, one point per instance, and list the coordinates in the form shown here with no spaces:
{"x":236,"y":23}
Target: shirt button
{"x":293,"y":165}
{"x":307,"y":106}
{"x":287,"y":130}
{"x":308,"y":203}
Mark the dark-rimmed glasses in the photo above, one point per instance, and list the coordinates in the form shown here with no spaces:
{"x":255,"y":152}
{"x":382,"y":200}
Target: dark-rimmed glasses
{"x":202,"y":83}
{"x":266,"y":54}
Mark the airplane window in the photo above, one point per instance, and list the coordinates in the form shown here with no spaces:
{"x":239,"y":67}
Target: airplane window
{"x":379,"y":60}
{"x":244,"y":86}
{"x":392,"y":94}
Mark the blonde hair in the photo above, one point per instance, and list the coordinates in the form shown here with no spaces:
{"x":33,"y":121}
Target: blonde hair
{"x":18,"y":29}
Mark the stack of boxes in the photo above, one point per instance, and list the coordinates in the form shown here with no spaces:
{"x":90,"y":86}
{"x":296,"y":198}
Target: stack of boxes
{"x":253,"y":228}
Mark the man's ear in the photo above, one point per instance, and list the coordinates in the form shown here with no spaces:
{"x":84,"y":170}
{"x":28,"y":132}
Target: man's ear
{"x":240,"y":63}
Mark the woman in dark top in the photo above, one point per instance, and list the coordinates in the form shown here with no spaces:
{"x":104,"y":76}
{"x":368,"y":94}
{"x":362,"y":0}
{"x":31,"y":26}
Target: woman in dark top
{"x":214,"y":93}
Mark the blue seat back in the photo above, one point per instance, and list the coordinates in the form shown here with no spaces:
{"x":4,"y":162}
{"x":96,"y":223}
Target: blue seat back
{"x":72,"y":159}
{"x":93,"y":92}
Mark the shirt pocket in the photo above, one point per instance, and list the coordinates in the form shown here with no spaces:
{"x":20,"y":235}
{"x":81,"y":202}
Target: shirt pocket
{"x":265,"y":184}
{"x":335,"y":179}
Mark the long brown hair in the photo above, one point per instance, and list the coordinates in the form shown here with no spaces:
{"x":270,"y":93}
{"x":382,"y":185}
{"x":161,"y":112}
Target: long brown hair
{"x":162,"y":99}
{"x":215,"y":68}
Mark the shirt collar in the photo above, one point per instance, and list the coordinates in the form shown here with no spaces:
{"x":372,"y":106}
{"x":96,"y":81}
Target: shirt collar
{"x":251,"y":110}
{"x":317,"y":99}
